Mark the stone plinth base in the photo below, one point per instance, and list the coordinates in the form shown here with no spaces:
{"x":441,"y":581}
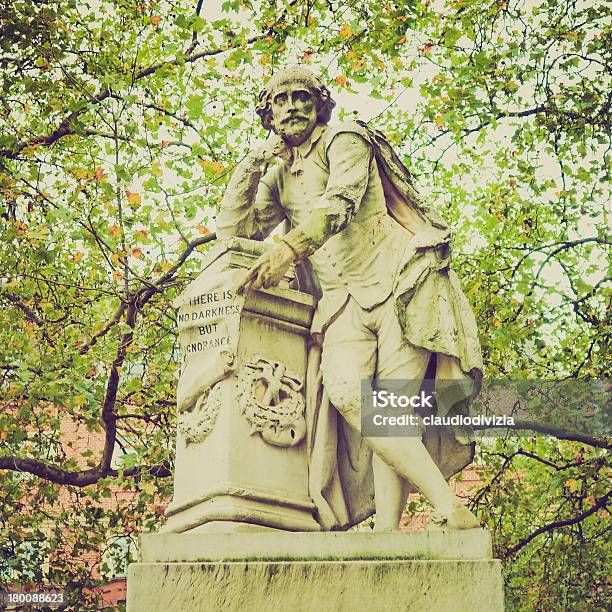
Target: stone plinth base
{"x":262,"y":572}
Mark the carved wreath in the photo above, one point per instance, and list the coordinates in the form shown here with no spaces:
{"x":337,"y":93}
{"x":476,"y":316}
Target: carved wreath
{"x":272,"y":402}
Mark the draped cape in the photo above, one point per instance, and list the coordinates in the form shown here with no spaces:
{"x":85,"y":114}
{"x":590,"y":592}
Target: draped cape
{"x":435,"y":315}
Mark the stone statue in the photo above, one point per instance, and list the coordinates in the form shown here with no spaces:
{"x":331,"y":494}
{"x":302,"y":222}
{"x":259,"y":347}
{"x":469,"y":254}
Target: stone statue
{"x":389,"y":307}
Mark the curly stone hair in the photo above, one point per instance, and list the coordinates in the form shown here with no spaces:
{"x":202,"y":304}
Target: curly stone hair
{"x":311,"y":81}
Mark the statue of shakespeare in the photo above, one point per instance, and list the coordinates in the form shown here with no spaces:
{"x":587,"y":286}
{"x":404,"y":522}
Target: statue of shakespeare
{"x":390,"y":306}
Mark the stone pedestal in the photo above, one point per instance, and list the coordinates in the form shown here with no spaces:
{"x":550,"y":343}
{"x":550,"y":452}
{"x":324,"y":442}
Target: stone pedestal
{"x":240,"y":452}
{"x":335,"y":572}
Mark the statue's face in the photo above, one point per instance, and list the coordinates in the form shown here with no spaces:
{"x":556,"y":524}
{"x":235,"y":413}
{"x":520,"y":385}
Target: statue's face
{"x":294,"y":112}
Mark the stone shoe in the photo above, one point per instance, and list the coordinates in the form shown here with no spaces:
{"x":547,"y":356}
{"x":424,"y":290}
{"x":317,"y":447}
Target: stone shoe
{"x":461,"y":518}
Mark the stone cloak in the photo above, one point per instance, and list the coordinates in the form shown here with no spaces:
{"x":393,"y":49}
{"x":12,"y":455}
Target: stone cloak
{"x":434,"y":314}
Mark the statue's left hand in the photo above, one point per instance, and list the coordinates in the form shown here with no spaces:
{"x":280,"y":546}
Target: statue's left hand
{"x":269,"y":269}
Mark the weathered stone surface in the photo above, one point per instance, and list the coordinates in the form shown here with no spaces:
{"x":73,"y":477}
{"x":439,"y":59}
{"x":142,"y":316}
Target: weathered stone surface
{"x":269,"y":546}
{"x":338,"y":586}
{"x":391,"y":305}
{"x":349,"y":571}
{"x":240,"y":452}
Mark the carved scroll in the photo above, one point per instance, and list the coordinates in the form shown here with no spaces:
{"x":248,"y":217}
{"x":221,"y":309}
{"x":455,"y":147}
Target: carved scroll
{"x":196,"y":424}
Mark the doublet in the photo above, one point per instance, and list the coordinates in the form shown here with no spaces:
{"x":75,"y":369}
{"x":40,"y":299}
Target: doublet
{"x":358,"y":248}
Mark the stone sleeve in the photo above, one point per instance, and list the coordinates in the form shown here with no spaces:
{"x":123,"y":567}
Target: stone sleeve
{"x":250,"y":206}
{"x":349,"y":158}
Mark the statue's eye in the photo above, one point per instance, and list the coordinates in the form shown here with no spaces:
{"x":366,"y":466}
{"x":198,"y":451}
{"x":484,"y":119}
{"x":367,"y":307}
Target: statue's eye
{"x":280,"y":99}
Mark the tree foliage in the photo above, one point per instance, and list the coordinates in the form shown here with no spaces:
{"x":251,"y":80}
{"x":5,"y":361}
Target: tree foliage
{"x":120,"y":122}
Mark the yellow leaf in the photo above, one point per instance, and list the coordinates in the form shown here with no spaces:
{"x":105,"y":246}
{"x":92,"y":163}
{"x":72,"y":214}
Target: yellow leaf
{"x":571,"y":484}
{"x":155,"y":19}
{"x":438,"y":120}
{"x":202,"y":229}
{"x":211,"y":166}
{"x":137,"y":253}
{"x":342,"y":81}
{"x":99,"y":174}
{"x":156,"y":170}
{"x":147,"y":487}
{"x":133,"y":198}
{"x":345,"y":31}
{"x":29,"y":151}
{"x":114,"y":231}
{"x":78,"y":255}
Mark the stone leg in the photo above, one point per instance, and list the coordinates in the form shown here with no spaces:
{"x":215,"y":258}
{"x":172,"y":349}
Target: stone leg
{"x":365,"y":345}
{"x":391,"y":493}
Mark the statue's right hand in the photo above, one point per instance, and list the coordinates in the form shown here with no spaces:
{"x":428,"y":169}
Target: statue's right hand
{"x":273,"y":147}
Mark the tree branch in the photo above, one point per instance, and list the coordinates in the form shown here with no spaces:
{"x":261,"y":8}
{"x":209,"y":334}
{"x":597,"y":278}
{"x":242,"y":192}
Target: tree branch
{"x":599,"y":503}
{"x":65,"y":127}
{"x":29,"y":313}
{"x":108,"y":406}
{"x":81,"y":478}
{"x":561,"y":434}
{"x":145,"y":294}
{"x":112,"y":322}
{"x":84,"y":478}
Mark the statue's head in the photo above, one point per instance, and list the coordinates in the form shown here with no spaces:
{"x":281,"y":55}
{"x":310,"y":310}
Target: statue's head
{"x":293,"y":102}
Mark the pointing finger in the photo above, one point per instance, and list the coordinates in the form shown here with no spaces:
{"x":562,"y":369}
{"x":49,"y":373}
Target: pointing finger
{"x":246,"y":280}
